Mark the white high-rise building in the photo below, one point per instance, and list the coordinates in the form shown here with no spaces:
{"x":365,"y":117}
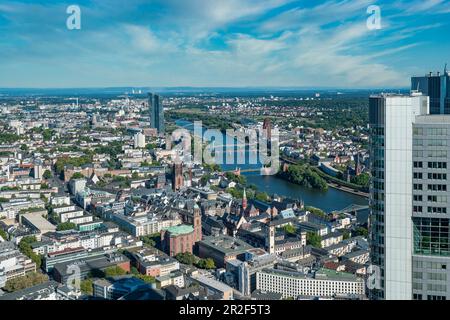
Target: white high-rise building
{"x":38,"y":171}
{"x":139,"y":141}
{"x":391,"y":119}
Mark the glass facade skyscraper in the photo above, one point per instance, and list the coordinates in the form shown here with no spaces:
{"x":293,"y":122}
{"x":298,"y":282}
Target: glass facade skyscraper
{"x":437,"y":87}
{"x":431,"y":208}
{"x":156,"y":113}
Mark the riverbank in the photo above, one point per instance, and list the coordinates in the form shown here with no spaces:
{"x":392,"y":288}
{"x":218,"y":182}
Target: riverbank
{"x":330,"y":200}
{"x":348,"y":190}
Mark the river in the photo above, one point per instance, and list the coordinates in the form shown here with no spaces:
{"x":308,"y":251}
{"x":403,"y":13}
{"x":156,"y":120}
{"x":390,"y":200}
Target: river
{"x":328,"y":201}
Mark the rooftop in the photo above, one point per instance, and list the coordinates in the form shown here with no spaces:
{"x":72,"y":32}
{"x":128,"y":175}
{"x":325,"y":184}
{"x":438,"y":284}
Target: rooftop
{"x":39,"y":222}
{"x":180,"y":230}
{"x":335,"y":275}
{"x":226,"y":244}
{"x":322,"y":274}
{"x":433,"y":119}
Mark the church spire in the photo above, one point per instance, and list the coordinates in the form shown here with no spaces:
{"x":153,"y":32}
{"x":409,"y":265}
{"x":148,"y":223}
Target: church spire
{"x":244,"y":200}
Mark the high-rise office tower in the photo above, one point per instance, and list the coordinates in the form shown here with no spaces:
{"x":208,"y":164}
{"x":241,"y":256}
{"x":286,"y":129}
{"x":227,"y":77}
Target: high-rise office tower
{"x":139,"y":140}
{"x":391,"y":119}
{"x":156,"y":112}
{"x":431,"y":208}
{"x":38,"y":171}
{"x":437,"y":87}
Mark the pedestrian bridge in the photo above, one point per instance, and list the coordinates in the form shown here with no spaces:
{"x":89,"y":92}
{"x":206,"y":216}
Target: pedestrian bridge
{"x":354,"y":208}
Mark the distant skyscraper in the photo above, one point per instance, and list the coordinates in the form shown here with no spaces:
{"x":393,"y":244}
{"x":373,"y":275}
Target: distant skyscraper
{"x":139,"y":141}
{"x":437,"y":87}
{"x":156,"y":113}
{"x":38,"y":171}
{"x":391,"y":119}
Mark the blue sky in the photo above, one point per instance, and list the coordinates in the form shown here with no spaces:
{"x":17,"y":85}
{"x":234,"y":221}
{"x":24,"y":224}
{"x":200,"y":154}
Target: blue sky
{"x":227,"y":43}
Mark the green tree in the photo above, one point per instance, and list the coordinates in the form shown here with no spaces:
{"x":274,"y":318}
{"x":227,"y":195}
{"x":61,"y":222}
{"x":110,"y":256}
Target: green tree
{"x":262,"y":196}
{"x":317,"y":212}
{"x":145,"y":278}
{"x":361,"y":231}
{"x":119,"y":179}
{"x":304,"y":176}
{"x":77,"y":175}
{"x":114,"y":272}
{"x":205,"y":178}
{"x":235,"y":178}
{"x":313,"y":239}
{"x":212,"y":167}
{"x":346,"y":235}
{"x":186,"y":258}
{"x":236,"y":193}
{"x":8,"y":138}
{"x":45,"y":186}
{"x":86,"y":287}
{"x":151,"y":146}
{"x":134,"y":271}
{"x":66,"y":226}
{"x":151,"y":240}
{"x":27,"y":281}
{"x":290,"y":229}
{"x":4,"y":235}
{"x":47,"y":174}
{"x":145,"y":164}
{"x":26,"y":249}
{"x":207,"y":264}
{"x":76,"y":162}
{"x":362,"y":180}
{"x":47,"y":134}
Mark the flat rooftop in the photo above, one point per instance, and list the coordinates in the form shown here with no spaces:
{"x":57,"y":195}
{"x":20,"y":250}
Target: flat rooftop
{"x":212,"y":283}
{"x":433,"y":119}
{"x":226,"y":244}
{"x":39,"y":222}
{"x":322,"y":274}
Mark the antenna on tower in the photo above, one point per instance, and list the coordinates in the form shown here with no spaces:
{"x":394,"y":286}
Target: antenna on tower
{"x":445,"y":68}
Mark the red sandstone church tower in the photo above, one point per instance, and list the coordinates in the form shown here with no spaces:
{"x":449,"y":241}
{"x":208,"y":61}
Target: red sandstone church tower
{"x":177,"y":176}
{"x":197,"y":223}
{"x":267,"y":125}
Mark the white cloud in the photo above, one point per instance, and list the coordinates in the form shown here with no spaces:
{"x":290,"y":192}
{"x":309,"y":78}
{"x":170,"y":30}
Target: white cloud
{"x":422,"y":5}
{"x":323,"y":45}
{"x":145,"y":40}
{"x":319,"y":15}
{"x":198,"y":19}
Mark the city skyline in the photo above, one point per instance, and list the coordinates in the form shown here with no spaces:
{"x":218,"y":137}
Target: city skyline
{"x":275,"y":43}
{"x":244,"y":151}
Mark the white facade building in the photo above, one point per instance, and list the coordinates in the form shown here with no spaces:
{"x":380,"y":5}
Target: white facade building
{"x":139,"y":141}
{"x":327,"y":284}
{"x":391,"y":124}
